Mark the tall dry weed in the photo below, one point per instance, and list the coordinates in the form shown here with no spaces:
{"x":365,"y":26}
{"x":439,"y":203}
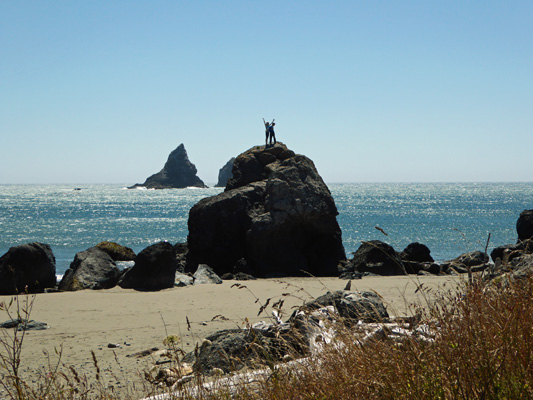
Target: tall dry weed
{"x":481,"y":349}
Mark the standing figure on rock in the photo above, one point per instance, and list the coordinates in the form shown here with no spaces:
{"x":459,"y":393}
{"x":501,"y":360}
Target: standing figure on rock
{"x":269,"y":131}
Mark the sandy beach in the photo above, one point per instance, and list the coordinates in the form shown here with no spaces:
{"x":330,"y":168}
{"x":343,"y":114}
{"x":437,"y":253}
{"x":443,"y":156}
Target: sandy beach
{"x":85,"y":321}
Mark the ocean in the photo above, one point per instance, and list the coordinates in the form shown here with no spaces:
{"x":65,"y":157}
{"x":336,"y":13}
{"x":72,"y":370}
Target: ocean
{"x":449,"y":218}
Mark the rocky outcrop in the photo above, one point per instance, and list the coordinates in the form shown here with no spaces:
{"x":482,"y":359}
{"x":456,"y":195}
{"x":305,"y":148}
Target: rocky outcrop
{"x":154,"y":269}
{"x":177,"y":173}
{"x":116,"y":251}
{"x":29,"y":267}
{"x":91,"y":269}
{"x":276,"y":217}
{"x":524,"y":225}
{"x":225,"y":173}
{"x":376,"y":257}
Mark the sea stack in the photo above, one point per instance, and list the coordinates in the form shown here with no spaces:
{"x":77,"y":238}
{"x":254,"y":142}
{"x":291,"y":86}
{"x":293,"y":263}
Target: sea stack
{"x":178,"y":173}
{"x":225,"y":173}
{"x":276,"y":217}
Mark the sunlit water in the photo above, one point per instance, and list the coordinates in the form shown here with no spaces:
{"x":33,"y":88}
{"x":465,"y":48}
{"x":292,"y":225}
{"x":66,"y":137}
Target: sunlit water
{"x":449,"y":218}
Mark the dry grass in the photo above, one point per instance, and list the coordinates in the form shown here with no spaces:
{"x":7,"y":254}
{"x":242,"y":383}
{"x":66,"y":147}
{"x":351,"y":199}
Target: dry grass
{"x":481,"y":348}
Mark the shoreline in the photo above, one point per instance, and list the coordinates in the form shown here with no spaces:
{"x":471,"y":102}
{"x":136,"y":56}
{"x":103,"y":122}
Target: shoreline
{"x":87,"y":320}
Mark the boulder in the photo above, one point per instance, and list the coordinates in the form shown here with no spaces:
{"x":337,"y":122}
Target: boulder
{"x":225,"y":173}
{"x":476,"y":261}
{"x":154,"y":269}
{"x":230,"y":350}
{"x":416,"y":252}
{"x":116,"y":251}
{"x":378,"y":258}
{"x":352,"y":306}
{"x":177,"y":173}
{"x":205,"y":275}
{"x":276,"y":216}
{"x":524,"y":225}
{"x":29,"y":267}
{"x":471,"y":259}
{"x":91,"y":269}
{"x":416,"y":259}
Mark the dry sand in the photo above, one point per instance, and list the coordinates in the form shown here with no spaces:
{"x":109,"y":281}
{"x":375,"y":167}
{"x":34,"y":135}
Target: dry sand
{"x":90,"y":320}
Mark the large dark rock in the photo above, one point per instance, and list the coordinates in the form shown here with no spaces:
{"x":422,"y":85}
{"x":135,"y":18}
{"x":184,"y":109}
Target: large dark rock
{"x":116,"y":251}
{"x":178,"y":172}
{"x":91,"y":269}
{"x":154,"y":269}
{"x":524,"y":225}
{"x":378,"y":258}
{"x":225,"y":173}
{"x":417,"y":252}
{"x":276,"y":213}
{"x":30,"y":267}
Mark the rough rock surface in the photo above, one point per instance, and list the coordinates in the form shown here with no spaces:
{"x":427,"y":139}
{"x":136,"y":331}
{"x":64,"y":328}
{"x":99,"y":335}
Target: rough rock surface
{"x":476,"y":261}
{"x":181,"y":250}
{"x":225,"y":173}
{"x":471,"y":259}
{"x":353,"y":306}
{"x":91,"y":269}
{"x":29,"y":266}
{"x":233,"y":349}
{"x":524,"y":225}
{"x":509,"y":251}
{"x":116,"y":251}
{"x":182,"y":280}
{"x":177,"y":173}
{"x":276,"y":214}
{"x":154,"y":269}
{"x":378,"y":258}
{"x":205,"y":275}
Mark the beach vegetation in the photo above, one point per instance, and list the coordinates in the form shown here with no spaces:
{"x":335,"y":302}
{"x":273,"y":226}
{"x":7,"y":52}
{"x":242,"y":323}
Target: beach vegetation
{"x":475,"y":342}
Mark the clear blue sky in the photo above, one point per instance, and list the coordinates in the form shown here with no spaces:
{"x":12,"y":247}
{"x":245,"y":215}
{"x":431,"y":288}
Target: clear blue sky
{"x":377,"y":91}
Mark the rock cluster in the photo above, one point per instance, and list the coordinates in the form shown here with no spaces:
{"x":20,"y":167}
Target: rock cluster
{"x":177,"y":173}
{"x":275,"y":217}
{"x":378,"y":258}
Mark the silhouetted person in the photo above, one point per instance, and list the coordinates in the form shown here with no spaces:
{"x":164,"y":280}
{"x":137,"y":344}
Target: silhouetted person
{"x":267,"y":128}
{"x":271,"y":132}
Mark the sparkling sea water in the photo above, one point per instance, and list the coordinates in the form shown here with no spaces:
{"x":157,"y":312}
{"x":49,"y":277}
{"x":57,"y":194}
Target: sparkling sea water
{"x":449,"y":218}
